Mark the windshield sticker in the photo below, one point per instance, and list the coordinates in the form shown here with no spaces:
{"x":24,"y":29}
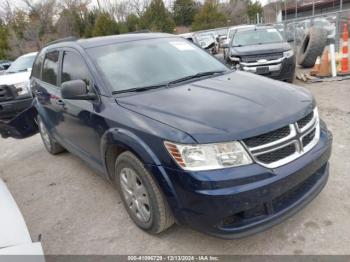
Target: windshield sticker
{"x":271,"y":30}
{"x":182,"y":46}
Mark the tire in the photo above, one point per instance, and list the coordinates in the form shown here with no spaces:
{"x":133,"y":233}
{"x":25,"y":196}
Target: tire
{"x":50,"y":144}
{"x":312,"y":46}
{"x":160,"y":216}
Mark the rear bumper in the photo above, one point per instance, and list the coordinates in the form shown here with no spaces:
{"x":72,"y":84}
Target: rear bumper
{"x":237,"y":202}
{"x":9,"y":109}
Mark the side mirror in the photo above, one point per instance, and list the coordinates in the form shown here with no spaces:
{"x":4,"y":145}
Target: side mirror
{"x":76,"y":90}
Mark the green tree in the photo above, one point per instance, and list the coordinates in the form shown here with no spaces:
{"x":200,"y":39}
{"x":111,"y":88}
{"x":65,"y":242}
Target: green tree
{"x":89,"y":22}
{"x":105,"y":25}
{"x":209,"y":17}
{"x":4,"y":46}
{"x":253,"y":9}
{"x":157,"y":18}
{"x":132,"y":23}
{"x":184,"y":12}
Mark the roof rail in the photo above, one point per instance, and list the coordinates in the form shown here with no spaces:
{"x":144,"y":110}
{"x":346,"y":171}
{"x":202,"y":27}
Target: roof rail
{"x":66,"y":39}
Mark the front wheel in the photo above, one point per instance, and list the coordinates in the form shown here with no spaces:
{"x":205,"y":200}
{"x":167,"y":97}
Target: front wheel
{"x":141,"y":195}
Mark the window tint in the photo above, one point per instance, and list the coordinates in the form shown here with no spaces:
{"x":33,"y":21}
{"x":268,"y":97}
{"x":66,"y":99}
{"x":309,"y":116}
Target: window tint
{"x":50,"y":68}
{"x":37,"y":65}
{"x":74,"y":68}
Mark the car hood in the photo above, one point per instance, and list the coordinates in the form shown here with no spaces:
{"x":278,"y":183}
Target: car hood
{"x":14,"y":78}
{"x":225,"y":108}
{"x":260,"y":49}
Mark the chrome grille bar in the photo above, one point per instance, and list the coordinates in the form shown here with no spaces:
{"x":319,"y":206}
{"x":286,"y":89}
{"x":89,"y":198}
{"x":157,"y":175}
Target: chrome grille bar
{"x":295,"y":137}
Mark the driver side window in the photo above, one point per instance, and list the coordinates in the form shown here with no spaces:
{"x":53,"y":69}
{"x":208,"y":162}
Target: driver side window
{"x":74,"y":68}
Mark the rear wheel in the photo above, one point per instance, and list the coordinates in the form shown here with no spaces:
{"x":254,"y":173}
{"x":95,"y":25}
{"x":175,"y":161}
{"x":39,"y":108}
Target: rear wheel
{"x":141,"y":195}
{"x":50,"y":144}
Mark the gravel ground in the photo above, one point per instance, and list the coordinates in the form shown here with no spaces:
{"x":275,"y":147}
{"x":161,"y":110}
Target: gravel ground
{"x":78,"y":212}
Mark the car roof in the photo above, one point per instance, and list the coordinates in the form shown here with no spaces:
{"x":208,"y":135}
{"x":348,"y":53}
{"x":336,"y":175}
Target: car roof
{"x":29,"y":54}
{"x":107,"y":40}
{"x":255,"y":27}
{"x":240,"y":26}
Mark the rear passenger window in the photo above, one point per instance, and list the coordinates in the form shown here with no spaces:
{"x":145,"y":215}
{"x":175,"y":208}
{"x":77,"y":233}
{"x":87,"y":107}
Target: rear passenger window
{"x":37,"y":65}
{"x":50,"y":68}
{"x":74,"y":68}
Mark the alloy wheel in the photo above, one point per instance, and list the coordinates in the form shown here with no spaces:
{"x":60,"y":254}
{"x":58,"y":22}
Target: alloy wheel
{"x":135,"y":194}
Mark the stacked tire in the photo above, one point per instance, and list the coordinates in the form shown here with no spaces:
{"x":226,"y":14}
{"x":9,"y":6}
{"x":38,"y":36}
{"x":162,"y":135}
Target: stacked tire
{"x":312,"y":46}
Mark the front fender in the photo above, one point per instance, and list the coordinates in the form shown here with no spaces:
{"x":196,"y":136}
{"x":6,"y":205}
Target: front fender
{"x":127,"y":140}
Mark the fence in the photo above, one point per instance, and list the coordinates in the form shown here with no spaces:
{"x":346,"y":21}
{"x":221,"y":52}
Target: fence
{"x":333,"y":22}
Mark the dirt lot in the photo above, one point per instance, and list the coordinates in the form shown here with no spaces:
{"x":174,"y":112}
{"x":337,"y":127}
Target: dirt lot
{"x":78,"y":212}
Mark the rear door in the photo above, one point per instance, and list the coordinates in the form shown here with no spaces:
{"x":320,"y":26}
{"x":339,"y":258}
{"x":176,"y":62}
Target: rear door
{"x":45,"y":89}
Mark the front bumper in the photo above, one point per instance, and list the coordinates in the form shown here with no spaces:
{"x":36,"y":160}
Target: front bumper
{"x":282,"y":69}
{"x":236,"y":202}
{"x":9,"y":109}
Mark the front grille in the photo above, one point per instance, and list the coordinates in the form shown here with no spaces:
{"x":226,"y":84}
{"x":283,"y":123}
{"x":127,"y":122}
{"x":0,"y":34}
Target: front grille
{"x":285,"y":144}
{"x":309,"y":137}
{"x":267,"y":137}
{"x":7,"y":93}
{"x":255,"y":58}
{"x":305,"y":120}
{"x":276,"y":155}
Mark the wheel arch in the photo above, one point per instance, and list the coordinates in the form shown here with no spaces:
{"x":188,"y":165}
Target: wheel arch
{"x":118,"y":140}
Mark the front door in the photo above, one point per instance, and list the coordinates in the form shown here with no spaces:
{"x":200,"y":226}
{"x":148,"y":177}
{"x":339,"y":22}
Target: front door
{"x":77,"y":127}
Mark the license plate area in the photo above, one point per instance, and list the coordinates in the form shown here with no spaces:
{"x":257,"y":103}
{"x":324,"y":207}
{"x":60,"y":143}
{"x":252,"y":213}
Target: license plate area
{"x":262,"y":70}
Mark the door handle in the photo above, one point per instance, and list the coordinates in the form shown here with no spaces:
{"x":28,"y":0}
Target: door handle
{"x":60,"y":102}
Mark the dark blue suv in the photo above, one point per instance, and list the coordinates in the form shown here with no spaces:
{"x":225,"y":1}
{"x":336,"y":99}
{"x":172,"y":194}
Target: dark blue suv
{"x":183,"y":138}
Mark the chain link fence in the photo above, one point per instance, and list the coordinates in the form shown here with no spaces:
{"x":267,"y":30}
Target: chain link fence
{"x":295,"y":30}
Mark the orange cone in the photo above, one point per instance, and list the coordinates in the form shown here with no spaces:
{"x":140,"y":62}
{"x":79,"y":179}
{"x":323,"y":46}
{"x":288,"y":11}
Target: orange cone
{"x":345,"y":51}
{"x":324,"y":68}
{"x":316,"y":69}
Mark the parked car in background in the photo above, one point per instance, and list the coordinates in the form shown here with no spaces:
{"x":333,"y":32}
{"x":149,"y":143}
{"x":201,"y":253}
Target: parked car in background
{"x":15,"y":94}
{"x":227,"y":152}
{"x":261,"y":50}
{"x":14,"y":237}
{"x":207,"y":41}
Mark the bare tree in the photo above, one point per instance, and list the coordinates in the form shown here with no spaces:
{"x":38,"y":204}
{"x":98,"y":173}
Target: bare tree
{"x":235,"y":10}
{"x":139,"y":6}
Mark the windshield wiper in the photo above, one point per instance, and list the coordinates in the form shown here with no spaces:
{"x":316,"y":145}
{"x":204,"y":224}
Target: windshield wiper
{"x":139,"y":89}
{"x":145,"y":88}
{"x":198,"y":75}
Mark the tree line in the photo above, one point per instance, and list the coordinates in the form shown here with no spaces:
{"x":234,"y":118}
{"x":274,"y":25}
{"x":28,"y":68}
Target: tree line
{"x":37,"y":22}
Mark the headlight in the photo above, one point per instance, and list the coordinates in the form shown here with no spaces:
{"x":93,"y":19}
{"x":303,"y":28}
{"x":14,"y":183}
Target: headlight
{"x":235,"y":59}
{"x":208,"y":156}
{"x":22,"y":88}
{"x":288,"y":53}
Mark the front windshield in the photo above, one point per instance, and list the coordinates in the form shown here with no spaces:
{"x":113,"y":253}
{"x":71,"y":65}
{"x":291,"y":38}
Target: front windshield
{"x":23,"y":63}
{"x":151,"y":62}
{"x":257,"y":37}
